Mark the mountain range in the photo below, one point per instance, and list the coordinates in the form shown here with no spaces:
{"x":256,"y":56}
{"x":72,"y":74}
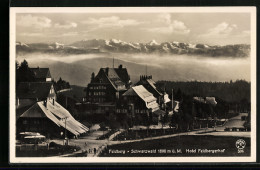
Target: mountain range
{"x":118,"y":46}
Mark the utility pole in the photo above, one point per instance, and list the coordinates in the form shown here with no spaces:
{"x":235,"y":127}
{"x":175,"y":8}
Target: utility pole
{"x":113,"y":62}
{"x":172,"y":99}
{"x":65,"y":136}
{"x":146,"y":69}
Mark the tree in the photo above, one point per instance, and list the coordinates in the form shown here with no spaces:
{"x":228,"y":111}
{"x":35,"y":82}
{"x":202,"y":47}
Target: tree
{"x":17,"y":65}
{"x":24,"y":73}
{"x":61,"y":84}
{"x":178,"y":95}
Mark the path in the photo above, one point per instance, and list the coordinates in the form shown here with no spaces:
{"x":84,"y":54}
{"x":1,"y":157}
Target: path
{"x":233,"y":122}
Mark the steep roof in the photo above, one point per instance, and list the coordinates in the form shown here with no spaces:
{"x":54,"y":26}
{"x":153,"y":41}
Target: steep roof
{"x":41,"y":72}
{"x":123,"y":74}
{"x":56,"y":113}
{"x":114,"y":79}
{"x":150,"y":85}
{"x":32,"y":90}
{"x":145,"y":95}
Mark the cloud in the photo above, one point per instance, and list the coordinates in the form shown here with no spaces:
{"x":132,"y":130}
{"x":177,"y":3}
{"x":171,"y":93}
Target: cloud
{"x":113,"y":21}
{"x":33,"y":21}
{"x":66,"y":25}
{"x":171,"y":26}
{"x":222,"y":29}
{"x":31,"y":34}
{"x":225,"y":33}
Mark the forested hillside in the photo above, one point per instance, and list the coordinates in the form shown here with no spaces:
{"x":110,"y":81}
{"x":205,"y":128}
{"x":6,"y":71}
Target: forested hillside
{"x":228,"y":91}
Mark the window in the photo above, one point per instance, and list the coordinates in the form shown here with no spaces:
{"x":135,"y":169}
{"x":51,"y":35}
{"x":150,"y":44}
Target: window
{"x":89,"y":93}
{"x":36,"y":122}
{"x":25,"y":122}
{"x":90,"y":87}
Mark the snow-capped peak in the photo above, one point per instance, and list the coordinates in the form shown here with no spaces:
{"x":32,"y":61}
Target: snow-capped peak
{"x":22,"y":44}
{"x":153,"y":42}
{"x":56,"y":43}
{"x":116,"y":41}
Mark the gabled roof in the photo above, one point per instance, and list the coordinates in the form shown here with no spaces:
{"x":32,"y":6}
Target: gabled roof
{"x":150,"y":85}
{"x":123,"y":74}
{"x":114,"y":79}
{"x":41,"y":72}
{"x":207,"y":100}
{"x":145,"y":95}
{"x":166,"y":98}
{"x":56,"y":113}
{"x":33,"y":90}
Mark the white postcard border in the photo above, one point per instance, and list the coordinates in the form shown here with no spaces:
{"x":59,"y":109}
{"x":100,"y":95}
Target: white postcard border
{"x":12,"y":120}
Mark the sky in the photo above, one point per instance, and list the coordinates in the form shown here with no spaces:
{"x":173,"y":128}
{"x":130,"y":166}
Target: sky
{"x":66,"y":28}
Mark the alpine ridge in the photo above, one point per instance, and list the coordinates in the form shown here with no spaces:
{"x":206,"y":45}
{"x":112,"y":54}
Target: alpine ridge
{"x":118,"y":46}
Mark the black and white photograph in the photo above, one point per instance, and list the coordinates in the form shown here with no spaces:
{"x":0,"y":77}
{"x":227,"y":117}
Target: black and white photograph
{"x":128,"y":84}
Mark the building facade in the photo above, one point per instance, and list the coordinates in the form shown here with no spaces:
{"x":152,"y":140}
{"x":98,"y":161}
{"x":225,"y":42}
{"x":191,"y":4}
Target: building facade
{"x":41,"y":74}
{"x":141,"y":105}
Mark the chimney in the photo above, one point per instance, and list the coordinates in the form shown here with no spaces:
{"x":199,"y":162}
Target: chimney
{"x":107,"y":70}
{"x":120,"y":66}
{"x":45,"y":103}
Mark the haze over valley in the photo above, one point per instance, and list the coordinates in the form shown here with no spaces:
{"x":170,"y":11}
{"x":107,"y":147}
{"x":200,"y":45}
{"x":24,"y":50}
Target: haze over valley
{"x":172,"y":65}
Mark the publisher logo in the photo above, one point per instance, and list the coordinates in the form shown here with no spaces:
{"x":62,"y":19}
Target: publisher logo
{"x":240,"y":144}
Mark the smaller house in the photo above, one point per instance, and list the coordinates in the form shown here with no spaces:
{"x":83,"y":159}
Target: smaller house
{"x":41,"y":74}
{"x":150,"y":85}
{"x":50,"y":119}
{"x":143,"y":104}
{"x":207,"y":100}
{"x":203,"y":107}
{"x":28,"y":93}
